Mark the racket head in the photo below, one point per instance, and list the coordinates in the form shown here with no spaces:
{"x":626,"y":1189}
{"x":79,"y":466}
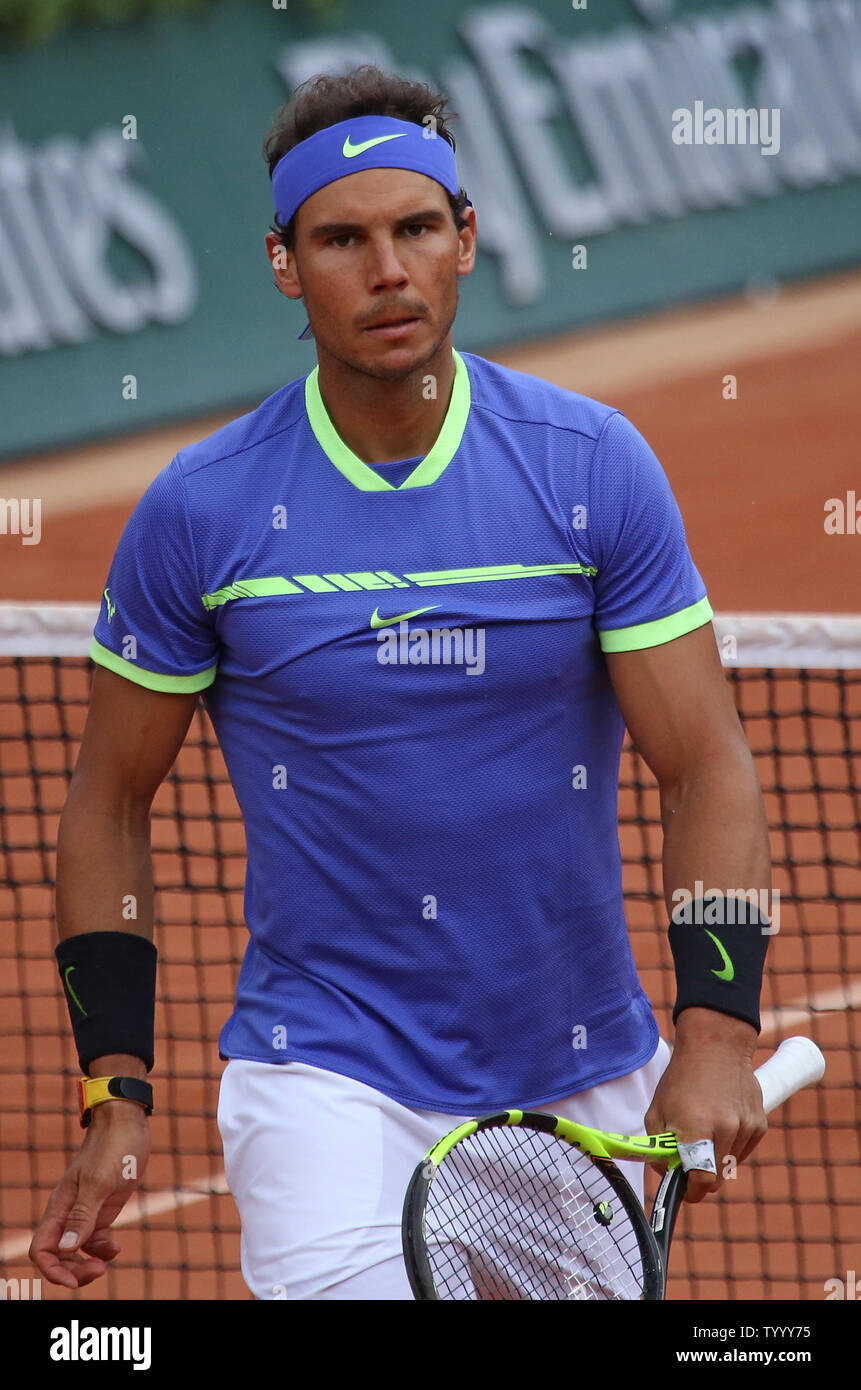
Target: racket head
{"x":665,"y":1209}
{"x":503,"y":1207}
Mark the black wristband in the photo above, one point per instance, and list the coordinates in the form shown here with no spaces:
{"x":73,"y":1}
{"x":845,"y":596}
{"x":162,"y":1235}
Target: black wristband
{"x":719,"y":946}
{"x":109,"y":982}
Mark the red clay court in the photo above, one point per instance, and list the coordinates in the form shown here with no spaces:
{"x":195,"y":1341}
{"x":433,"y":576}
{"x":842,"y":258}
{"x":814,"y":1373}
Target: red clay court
{"x":752,"y":476}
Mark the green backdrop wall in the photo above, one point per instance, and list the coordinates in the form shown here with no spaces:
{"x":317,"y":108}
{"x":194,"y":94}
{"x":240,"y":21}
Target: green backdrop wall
{"x":134,"y":286}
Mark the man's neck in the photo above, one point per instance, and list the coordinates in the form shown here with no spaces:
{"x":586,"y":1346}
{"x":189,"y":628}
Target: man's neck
{"x":385,"y":421}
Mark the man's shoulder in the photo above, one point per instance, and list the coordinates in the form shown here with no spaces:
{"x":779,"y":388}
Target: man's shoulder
{"x":278,"y":414}
{"x":519,"y":396}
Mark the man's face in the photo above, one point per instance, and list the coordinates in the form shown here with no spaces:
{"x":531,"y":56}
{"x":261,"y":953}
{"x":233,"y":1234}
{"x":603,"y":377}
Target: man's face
{"x":380,"y":245}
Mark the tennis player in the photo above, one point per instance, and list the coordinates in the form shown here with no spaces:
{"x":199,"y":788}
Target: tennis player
{"x":421,"y":595}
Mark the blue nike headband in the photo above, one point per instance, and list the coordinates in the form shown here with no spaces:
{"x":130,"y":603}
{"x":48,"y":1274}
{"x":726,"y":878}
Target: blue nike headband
{"x":367,"y":142}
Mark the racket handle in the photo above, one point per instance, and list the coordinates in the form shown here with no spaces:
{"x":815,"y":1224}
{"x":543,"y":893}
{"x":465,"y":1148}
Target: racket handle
{"x":796,"y":1063}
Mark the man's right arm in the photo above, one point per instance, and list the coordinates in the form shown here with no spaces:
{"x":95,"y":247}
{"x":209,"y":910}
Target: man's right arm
{"x":104,"y":884}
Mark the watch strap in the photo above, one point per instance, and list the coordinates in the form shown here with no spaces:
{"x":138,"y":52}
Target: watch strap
{"x":95,"y":1090}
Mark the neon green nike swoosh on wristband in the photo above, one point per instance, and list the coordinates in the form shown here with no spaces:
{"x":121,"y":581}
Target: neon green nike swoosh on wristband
{"x":66,"y":973}
{"x":728,"y":972}
{"x":377,"y":621}
{"x":350,"y":150}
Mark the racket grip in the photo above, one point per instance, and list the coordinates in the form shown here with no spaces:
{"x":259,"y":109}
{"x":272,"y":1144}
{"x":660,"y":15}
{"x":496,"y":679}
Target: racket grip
{"x":797,"y":1063}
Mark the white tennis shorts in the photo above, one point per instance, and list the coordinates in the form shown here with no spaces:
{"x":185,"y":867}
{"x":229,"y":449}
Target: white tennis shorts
{"x":318,"y":1165}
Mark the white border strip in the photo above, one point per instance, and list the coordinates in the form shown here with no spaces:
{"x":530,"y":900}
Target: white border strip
{"x":815,"y":640}
{"x":779,"y":640}
{"x":46,"y":629}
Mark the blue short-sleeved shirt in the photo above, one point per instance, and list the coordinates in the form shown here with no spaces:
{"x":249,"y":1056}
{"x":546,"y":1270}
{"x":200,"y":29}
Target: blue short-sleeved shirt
{"x":404,"y":667}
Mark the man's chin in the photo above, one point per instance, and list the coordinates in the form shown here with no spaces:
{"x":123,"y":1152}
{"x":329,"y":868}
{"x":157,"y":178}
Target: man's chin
{"x":394,"y":359}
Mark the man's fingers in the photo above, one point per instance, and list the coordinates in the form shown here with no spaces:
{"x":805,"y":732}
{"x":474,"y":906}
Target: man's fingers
{"x":86,"y":1271}
{"x":700,"y":1184}
{"x":71,"y":1271}
{"x":44,"y":1248}
{"x":49,"y":1265}
{"x":654,"y":1124}
{"x":80,"y":1220}
{"x":749,"y":1139}
{"x":102,"y":1244}
{"x":69,"y":1247}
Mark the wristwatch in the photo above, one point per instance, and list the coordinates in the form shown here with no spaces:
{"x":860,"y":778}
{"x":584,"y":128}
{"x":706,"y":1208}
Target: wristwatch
{"x":94,"y":1090}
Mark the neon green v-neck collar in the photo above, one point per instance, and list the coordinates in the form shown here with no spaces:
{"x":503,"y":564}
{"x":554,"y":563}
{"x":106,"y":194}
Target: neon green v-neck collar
{"x":426,"y":471}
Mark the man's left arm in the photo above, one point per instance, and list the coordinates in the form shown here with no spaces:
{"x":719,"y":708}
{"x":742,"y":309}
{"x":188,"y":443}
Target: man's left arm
{"x":677,"y":706}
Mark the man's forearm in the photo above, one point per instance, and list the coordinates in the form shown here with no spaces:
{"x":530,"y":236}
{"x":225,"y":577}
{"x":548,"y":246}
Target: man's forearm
{"x":716,"y":837}
{"x":715,"y":832}
{"x":105,"y":883}
{"x":104,"y":870}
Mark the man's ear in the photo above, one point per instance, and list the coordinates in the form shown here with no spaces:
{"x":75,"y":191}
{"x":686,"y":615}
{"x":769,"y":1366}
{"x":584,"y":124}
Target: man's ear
{"x":284,"y":267}
{"x":467,"y":238}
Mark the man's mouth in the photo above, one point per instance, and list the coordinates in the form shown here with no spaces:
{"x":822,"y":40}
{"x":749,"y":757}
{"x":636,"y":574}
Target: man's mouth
{"x":393,"y":327}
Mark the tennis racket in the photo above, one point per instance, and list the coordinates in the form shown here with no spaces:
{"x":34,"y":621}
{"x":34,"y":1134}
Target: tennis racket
{"x":523,"y":1205}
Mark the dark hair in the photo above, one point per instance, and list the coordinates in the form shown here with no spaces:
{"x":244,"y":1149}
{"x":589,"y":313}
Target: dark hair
{"x":363,"y":91}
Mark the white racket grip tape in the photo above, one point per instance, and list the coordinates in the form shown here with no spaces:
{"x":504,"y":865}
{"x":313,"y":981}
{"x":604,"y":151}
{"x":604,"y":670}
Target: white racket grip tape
{"x":796,"y":1063}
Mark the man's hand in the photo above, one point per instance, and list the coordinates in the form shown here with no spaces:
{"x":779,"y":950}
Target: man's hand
{"x":709,"y":1091}
{"x":73,"y":1242}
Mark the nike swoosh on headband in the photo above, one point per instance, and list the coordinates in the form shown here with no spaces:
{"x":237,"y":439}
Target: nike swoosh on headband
{"x":350,"y":150}
{"x":377,"y":621}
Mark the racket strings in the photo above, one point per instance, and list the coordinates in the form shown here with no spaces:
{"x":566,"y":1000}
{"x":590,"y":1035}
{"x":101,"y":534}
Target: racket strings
{"x":517,"y":1214}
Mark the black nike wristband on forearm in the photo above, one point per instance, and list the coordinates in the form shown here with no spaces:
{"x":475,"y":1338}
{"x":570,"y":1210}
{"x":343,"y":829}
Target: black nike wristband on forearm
{"x":719,"y":948}
{"x":109,"y":982}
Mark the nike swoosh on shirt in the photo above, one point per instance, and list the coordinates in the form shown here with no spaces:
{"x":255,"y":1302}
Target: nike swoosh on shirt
{"x":728,"y":972}
{"x":350,"y":150}
{"x":377,"y":621}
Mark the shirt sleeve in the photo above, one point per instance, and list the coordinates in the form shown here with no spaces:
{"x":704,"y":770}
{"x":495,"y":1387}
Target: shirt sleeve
{"x":647,"y":589}
{"x":153,"y":627}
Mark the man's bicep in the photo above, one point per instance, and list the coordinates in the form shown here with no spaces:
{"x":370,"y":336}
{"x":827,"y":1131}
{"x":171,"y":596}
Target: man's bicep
{"x":131,"y":740}
{"x":676,"y":703}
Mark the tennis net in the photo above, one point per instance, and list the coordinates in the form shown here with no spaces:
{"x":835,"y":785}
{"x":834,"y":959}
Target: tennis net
{"x":786,"y":1223}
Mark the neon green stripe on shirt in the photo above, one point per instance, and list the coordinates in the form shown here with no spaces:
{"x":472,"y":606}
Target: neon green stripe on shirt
{"x":634,"y":639}
{"x":153,"y":680}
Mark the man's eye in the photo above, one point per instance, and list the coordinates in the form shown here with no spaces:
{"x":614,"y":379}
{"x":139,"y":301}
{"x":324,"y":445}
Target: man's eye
{"x":342,"y":237}
{"x":422,"y":226}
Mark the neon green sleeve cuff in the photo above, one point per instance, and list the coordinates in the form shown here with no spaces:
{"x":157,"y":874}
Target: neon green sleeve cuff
{"x":634,"y":639}
{"x":153,"y":680}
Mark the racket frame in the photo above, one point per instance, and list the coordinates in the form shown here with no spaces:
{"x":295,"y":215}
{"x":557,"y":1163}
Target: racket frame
{"x":602,"y":1148}
{"x":797,"y":1063}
